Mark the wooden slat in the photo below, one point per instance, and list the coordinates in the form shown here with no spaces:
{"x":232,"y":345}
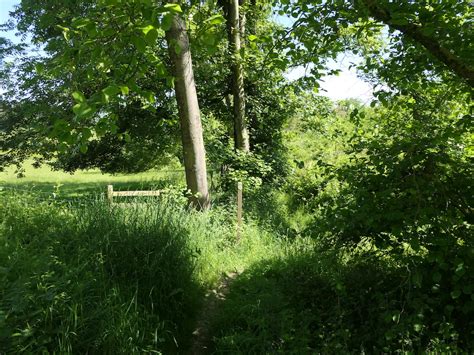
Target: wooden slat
{"x":110,"y":193}
{"x":136,"y":193}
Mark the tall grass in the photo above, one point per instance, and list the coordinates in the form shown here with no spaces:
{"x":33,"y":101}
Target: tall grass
{"x":309,"y":301}
{"x":94,"y":278}
{"x":128,"y":278}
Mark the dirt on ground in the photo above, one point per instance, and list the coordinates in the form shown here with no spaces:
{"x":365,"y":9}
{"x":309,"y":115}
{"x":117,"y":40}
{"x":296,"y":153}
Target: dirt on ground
{"x":202,"y":338}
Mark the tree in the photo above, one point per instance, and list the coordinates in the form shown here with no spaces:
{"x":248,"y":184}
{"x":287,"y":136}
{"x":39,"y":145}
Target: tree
{"x":100,"y":59}
{"x":236,"y":34}
{"x":417,"y":23}
{"x":188,"y":107}
{"x":432,"y":39}
{"x":114,"y":73}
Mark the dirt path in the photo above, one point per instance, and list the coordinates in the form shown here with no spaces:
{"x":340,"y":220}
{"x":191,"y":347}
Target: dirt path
{"x":201,"y":335}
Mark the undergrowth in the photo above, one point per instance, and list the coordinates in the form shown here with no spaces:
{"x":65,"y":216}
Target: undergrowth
{"x":310,"y":301}
{"x":131,"y":278}
{"x":125,"y":279}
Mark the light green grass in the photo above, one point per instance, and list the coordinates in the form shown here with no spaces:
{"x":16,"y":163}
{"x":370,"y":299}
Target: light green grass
{"x":45,"y":181}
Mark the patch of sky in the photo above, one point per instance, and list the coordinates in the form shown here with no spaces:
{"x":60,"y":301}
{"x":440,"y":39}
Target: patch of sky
{"x":346,"y":85}
{"x":6,"y":6}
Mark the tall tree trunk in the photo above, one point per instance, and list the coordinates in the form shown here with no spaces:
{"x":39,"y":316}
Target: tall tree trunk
{"x":188,"y":107}
{"x":236,"y":31}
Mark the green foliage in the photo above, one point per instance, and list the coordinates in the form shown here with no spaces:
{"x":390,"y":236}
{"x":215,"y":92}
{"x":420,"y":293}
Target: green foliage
{"x":101,"y":96}
{"x":400,"y":185}
{"x":411,"y":50}
{"x":408,"y":175}
{"x":306,"y":301}
{"x":248,"y":168}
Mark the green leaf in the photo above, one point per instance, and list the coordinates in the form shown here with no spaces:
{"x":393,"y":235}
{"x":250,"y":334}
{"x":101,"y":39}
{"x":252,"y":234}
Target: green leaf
{"x":166,"y":22}
{"x":79,"y":96}
{"x":86,"y":134}
{"x":65,"y":31}
{"x":147,"y":29}
{"x":215,"y":20}
{"x":139,"y":43}
{"x":455,"y":294}
{"x":81,"y":22}
{"x":161,"y":70}
{"x":209,"y":38}
{"x":82,"y":109}
{"x":460,"y":269}
{"x":125,"y":90}
{"x":399,"y":21}
{"x":396,"y":317}
{"x":110,"y":92}
{"x":113,"y":128}
{"x":149,"y":96}
{"x":173,"y":8}
{"x":83,"y":148}
{"x":252,"y":38}
{"x":151,"y":36}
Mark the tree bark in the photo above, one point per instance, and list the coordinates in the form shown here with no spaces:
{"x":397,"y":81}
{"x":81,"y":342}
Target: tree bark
{"x":236,"y":33}
{"x":188,"y":108}
{"x":414,"y":32}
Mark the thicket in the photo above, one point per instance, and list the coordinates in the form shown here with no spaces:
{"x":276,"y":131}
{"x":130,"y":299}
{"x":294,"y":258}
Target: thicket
{"x":396,"y":179}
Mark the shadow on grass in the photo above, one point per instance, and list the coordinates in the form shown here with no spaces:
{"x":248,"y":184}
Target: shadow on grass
{"x":267,"y":209}
{"x":95,"y":280}
{"x":317,"y":304}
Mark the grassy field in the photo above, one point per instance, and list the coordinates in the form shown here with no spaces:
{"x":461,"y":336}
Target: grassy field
{"x":45,"y":181}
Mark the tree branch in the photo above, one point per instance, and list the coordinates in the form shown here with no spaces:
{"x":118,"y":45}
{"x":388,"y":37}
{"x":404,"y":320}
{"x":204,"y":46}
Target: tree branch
{"x":414,"y":32}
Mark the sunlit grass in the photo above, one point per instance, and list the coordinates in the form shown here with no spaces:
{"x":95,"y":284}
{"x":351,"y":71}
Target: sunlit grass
{"x":44,"y":180}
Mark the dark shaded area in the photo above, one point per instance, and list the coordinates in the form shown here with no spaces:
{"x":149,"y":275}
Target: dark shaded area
{"x":318,"y":304}
{"x":94,"y":279}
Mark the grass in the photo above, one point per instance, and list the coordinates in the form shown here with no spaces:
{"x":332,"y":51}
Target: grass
{"x":94,"y":279}
{"x":307,"y":301}
{"x":45,"y":181}
{"x":90,"y":278}
{"x":128,"y":278}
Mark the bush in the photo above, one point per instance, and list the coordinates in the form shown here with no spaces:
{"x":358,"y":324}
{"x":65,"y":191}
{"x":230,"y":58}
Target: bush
{"x":327,"y":302}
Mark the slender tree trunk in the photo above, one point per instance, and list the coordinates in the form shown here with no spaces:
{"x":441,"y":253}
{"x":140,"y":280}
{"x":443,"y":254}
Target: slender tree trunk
{"x":188,"y":107}
{"x":236,"y":30}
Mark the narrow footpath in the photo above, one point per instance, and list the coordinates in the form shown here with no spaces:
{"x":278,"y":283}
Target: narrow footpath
{"x":202,"y":337}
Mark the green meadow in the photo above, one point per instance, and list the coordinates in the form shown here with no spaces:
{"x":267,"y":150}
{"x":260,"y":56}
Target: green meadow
{"x":44,"y":181}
